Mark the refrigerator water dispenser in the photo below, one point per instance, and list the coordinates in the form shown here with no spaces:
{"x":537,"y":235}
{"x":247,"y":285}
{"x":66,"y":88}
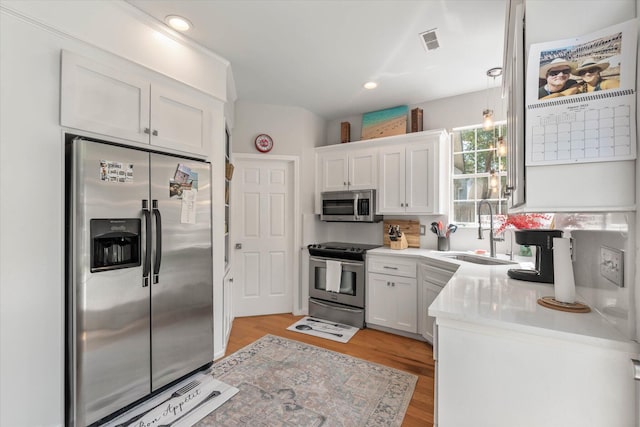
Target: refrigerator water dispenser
{"x":115,"y":244}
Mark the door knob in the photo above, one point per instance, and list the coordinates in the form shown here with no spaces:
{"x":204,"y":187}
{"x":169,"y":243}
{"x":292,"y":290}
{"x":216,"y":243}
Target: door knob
{"x":238,"y":245}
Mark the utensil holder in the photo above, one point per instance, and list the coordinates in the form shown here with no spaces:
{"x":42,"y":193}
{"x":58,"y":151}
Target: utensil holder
{"x":443,"y":243}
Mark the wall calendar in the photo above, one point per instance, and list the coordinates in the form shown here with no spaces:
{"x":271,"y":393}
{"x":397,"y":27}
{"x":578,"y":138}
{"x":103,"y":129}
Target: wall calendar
{"x":581,"y":98}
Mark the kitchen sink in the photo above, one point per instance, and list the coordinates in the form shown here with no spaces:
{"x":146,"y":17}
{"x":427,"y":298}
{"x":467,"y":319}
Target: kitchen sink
{"x":475,"y":259}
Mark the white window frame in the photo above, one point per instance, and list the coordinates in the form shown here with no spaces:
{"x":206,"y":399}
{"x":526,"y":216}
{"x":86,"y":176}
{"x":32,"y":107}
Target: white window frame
{"x":501,"y":200}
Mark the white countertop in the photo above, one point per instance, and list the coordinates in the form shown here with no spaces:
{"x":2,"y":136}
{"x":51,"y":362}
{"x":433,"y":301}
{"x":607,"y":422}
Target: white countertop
{"x":484,"y":295}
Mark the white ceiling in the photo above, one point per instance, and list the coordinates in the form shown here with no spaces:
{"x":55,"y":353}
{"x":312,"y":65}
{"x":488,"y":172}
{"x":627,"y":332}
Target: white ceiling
{"x":317,"y":54}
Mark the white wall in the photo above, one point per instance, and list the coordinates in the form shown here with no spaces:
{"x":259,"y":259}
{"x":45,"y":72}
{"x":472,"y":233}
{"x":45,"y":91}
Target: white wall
{"x":295,"y":132}
{"x":541,"y":26}
{"x":32,"y":178}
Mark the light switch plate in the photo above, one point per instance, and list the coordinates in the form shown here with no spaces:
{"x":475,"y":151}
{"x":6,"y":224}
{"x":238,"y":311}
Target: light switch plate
{"x":423,"y":229}
{"x":612,"y":265}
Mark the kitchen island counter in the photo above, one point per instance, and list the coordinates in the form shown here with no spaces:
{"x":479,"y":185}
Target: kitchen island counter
{"x":483,"y":295}
{"x":494,"y":344}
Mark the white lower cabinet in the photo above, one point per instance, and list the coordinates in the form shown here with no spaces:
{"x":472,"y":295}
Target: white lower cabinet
{"x":393,"y":302}
{"x":494,"y":377}
{"x":432,"y":276}
{"x":392,"y":293}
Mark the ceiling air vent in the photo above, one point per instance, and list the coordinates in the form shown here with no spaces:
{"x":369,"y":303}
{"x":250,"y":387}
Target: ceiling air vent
{"x":430,"y":39}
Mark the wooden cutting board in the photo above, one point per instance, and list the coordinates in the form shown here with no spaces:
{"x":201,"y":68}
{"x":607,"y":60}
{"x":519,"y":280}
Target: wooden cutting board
{"x":410,"y":228}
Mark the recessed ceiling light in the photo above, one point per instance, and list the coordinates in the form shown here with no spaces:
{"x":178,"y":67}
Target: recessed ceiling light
{"x":178,"y":23}
{"x":370,"y":85}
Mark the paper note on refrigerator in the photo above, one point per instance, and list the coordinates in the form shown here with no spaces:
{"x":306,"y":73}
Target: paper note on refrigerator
{"x":188,"y":213}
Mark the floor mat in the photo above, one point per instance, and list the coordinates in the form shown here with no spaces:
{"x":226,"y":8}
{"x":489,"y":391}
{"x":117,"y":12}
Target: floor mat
{"x":324,"y":329}
{"x":182,"y":405}
{"x":288,"y":383}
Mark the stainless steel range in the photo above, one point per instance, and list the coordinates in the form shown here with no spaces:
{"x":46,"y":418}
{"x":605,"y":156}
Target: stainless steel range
{"x":337,"y":281}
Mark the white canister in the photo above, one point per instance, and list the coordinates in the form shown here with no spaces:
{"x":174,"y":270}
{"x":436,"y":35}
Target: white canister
{"x":564,"y":284}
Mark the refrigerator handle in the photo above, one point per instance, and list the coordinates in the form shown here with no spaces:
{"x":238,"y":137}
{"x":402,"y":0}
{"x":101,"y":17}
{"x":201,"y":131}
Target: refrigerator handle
{"x":158,"y":259}
{"x":147,"y":251}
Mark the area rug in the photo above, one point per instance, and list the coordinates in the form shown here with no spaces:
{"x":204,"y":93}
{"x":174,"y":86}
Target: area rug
{"x":324,"y":329}
{"x":181,"y":405}
{"x":283,"y":382}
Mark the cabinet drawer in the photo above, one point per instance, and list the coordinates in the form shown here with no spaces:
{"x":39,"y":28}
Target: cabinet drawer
{"x":393,"y":266}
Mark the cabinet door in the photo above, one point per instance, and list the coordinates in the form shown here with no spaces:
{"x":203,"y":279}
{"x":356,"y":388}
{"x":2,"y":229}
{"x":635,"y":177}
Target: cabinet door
{"x":406,"y":303}
{"x":335,"y":171}
{"x":380,"y":297}
{"x":392,"y":302}
{"x":391,"y":183}
{"x":104,"y":100}
{"x":419,"y":178}
{"x":181,"y":119}
{"x":429,"y":294}
{"x":363,"y":167}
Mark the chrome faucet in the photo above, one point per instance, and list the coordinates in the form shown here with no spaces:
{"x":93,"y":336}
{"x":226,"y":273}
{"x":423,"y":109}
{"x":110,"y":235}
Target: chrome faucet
{"x":492,"y":238}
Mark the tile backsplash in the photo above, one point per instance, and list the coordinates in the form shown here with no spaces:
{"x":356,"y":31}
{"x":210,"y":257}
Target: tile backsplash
{"x":590,"y":233}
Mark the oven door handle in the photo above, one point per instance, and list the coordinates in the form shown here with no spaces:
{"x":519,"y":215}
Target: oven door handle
{"x":350,"y":310}
{"x":356,"y":264}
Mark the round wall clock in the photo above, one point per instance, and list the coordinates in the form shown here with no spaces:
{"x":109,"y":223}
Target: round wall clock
{"x":264,"y":143}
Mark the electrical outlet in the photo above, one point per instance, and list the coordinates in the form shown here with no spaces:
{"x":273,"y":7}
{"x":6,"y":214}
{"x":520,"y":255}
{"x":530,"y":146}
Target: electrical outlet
{"x":612,"y":265}
{"x":423,"y":229}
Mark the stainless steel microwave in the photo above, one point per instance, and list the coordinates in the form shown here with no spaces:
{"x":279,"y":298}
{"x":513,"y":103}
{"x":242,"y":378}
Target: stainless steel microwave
{"x":349,"y":206}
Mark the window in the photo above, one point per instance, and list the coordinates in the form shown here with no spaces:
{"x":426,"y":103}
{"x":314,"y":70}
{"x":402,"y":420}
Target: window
{"x":479,"y":171}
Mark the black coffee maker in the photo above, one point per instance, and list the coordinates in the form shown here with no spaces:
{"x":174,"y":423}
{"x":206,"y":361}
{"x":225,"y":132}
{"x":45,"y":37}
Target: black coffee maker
{"x":542,"y":239}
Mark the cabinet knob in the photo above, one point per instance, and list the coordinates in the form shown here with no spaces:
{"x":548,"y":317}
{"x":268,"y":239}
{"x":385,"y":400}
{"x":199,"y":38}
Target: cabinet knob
{"x":155,"y":133}
{"x":344,"y":183}
{"x":147,"y":130}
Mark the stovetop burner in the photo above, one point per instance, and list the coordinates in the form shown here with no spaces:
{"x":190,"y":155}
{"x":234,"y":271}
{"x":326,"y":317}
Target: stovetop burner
{"x":341,"y":250}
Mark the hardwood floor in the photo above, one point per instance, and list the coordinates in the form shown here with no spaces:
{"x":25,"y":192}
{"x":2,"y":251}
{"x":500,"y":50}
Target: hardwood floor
{"x":386,"y":349}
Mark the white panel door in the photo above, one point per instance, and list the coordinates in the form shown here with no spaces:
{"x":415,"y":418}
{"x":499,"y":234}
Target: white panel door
{"x":263,"y":230}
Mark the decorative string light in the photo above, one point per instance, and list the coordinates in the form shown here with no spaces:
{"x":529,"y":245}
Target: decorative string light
{"x":493,"y":180}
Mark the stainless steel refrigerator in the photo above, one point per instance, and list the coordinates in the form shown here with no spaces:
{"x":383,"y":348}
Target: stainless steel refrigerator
{"x":139,"y":274}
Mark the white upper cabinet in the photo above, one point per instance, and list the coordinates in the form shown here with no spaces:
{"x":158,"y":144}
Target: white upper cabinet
{"x":136,"y":106}
{"x":180,"y":118}
{"x":413,"y":176}
{"x":103,"y":99}
{"x":348,"y":170}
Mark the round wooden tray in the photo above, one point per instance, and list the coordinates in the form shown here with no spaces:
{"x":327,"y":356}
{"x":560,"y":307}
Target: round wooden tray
{"x":576,"y":307}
